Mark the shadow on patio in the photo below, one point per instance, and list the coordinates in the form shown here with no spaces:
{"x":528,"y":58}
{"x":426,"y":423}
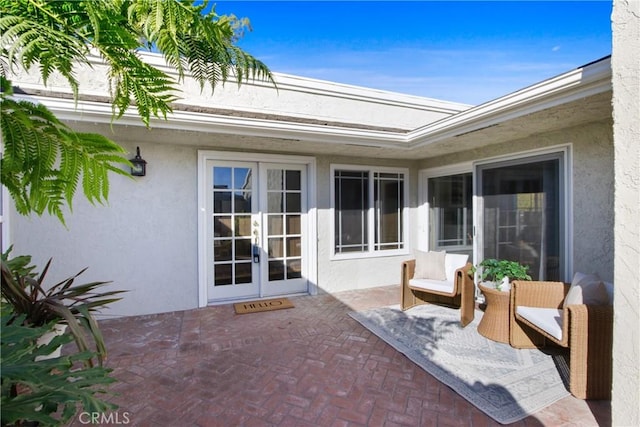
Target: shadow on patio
{"x":312,"y":365}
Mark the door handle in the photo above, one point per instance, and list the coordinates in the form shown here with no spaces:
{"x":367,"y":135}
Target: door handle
{"x":256,"y":246}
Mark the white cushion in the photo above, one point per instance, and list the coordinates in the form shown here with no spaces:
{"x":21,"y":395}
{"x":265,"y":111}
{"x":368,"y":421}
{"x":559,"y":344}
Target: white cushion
{"x":452,"y":262}
{"x":547,"y":319}
{"x":432,"y":285}
{"x":587,"y":289}
{"x":430,"y":265}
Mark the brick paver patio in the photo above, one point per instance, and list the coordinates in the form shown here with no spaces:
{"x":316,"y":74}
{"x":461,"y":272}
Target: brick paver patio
{"x":308,"y":366}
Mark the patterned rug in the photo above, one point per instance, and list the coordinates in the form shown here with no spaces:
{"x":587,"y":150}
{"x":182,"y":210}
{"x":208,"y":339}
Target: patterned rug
{"x":505,"y":383}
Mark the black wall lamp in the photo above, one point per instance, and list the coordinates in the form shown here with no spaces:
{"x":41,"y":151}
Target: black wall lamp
{"x":138,"y":164}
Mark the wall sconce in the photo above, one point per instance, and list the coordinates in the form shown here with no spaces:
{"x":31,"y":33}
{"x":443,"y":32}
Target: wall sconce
{"x":138,"y":164}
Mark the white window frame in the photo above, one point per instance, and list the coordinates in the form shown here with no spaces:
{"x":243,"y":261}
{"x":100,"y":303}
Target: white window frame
{"x":423,"y":191}
{"x":371,"y":252}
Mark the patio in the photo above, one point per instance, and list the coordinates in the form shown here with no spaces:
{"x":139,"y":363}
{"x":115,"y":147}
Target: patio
{"x":308,"y":366}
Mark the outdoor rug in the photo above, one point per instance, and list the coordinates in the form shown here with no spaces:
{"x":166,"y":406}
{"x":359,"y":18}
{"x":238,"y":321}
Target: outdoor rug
{"x":505,"y":383}
{"x":262,"y":305}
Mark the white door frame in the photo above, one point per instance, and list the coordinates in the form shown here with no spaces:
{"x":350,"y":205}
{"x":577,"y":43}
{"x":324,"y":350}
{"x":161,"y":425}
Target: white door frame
{"x":311,"y":242}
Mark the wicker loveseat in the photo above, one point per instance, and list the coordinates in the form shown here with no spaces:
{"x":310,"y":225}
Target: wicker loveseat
{"x":539,"y":316}
{"x":456,"y":290}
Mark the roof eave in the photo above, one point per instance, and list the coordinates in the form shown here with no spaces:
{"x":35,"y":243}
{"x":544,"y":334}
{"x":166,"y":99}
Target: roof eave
{"x":580,"y":83}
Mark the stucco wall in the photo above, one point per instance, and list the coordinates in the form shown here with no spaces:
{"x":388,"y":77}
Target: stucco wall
{"x":355,"y":273}
{"x":626,"y":110}
{"x":592,"y":151}
{"x":144,"y":240}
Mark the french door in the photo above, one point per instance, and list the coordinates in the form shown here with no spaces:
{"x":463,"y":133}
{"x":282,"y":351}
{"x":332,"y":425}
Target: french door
{"x":256,"y":214}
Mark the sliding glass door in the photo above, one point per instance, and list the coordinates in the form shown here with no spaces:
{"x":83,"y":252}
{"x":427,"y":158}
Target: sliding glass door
{"x":522,"y":213}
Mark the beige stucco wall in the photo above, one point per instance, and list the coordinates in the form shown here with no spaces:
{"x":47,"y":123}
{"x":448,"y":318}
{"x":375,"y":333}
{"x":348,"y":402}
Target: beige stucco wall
{"x":626,"y":111}
{"x":592,"y":181}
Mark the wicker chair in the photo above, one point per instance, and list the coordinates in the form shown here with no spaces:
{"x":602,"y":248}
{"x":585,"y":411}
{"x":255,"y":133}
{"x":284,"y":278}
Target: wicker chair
{"x":462,"y":296}
{"x":586,"y":330}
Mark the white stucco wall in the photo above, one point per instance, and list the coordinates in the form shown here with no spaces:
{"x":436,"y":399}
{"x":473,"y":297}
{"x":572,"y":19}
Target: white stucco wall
{"x":626,"y":111}
{"x":143,"y":241}
{"x":336,"y":275}
{"x":592,"y":151}
{"x":146,"y":238}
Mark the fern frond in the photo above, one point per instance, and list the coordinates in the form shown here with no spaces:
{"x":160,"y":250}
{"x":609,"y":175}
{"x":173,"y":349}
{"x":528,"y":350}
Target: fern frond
{"x":44,"y":160}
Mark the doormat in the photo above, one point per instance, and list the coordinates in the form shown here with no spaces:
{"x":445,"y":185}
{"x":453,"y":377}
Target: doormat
{"x":262,"y":305}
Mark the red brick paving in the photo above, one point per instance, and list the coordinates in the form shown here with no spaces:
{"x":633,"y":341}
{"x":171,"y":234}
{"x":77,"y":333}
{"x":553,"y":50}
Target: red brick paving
{"x":308,"y":366}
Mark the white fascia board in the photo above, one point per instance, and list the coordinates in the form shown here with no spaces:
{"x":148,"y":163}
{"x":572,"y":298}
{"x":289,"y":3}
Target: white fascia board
{"x":67,"y":109}
{"x":576,"y":84}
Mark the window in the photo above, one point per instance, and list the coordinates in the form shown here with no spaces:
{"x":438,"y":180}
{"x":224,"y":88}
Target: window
{"x":369,"y":210}
{"x":451,"y":213}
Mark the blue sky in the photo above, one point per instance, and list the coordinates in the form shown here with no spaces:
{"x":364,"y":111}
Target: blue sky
{"x":469,"y":52}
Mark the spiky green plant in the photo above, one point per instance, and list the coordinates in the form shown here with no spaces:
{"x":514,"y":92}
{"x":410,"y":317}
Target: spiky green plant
{"x":49,"y":392}
{"x":67,"y":302}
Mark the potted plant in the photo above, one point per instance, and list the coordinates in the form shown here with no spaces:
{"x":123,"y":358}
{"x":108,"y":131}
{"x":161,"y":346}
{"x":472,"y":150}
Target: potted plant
{"x":498,"y":273}
{"x":34,"y":304}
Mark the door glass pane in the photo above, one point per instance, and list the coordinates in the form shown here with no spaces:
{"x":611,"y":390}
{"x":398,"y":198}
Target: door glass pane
{"x":222,"y":274}
{"x":293,"y":202}
{"x":294,"y":246}
{"x":293,"y":180}
{"x":451,"y":213}
{"x":522,"y":216}
{"x":293,"y":224}
{"x":275,"y":202}
{"x":243,"y":249}
{"x":222,"y":202}
{"x":275,"y":248}
{"x":274,"y":179}
{"x":243,"y":272}
{"x":242,"y":202}
{"x":275,"y":225}
{"x":276,"y":270}
{"x":222,"y":250}
{"x":294,"y":269}
{"x":221,"y":177}
{"x":243,"y":225}
{"x":242,"y":178}
{"x":222,"y":226}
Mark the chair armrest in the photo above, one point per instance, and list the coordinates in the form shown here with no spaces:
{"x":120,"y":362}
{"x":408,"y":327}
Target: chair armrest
{"x":591,"y":344}
{"x":465,"y":286}
{"x":538,"y":294}
{"x":408,"y":270}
